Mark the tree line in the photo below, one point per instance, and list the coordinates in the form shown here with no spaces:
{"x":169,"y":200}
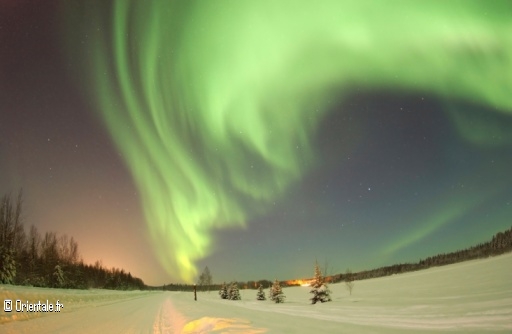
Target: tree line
{"x":49,"y":259}
{"x":216,"y":286}
{"x":500,"y":243}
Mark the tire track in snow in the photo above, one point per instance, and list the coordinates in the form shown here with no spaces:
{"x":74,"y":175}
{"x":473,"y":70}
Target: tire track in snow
{"x":168,"y":320}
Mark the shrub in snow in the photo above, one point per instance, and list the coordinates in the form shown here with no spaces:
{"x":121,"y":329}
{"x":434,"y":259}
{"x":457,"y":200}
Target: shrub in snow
{"x":261,"y":294}
{"x":223,"y":292}
{"x":276,"y":293}
{"x":319,"y":289}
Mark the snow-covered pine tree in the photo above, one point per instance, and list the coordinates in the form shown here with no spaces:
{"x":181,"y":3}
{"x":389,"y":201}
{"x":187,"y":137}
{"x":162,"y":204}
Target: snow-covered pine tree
{"x":7,"y":265}
{"x":234,"y":293}
{"x":318,"y":288}
{"x":260,"y":295}
{"x":270,"y":293}
{"x":277,"y":294}
{"x":223,"y":292}
{"x":59,"y":280}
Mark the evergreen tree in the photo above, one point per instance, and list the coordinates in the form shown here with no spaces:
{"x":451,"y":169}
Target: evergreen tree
{"x":261,"y":294}
{"x":234,"y":293}
{"x":77,"y":277}
{"x":270,"y":293}
{"x":58,"y":277}
{"x":276,"y":293}
{"x":319,"y":289}
{"x":223,"y":292}
{"x":349,"y":281}
{"x":7,"y":266}
{"x":11,"y":238}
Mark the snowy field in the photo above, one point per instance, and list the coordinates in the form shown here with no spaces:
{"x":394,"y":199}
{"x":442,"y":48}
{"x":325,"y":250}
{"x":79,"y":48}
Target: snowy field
{"x":469,"y":297}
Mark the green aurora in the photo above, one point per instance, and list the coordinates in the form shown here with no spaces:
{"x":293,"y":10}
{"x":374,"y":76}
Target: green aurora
{"x":213,"y":104}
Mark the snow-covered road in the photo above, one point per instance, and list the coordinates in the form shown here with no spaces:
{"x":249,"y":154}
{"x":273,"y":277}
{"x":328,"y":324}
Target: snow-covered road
{"x":138,"y":312}
{"x":136,"y":315}
{"x":474,"y":297}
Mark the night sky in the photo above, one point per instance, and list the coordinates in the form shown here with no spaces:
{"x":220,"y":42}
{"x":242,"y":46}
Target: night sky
{"x":258,"y":137}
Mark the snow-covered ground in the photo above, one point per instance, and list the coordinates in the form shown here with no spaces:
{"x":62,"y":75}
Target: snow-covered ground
{"x":473,"y":296}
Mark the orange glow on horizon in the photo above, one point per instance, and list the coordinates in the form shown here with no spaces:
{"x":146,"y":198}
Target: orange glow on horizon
{"x":301,"y":282}
{"x":307,"y":281}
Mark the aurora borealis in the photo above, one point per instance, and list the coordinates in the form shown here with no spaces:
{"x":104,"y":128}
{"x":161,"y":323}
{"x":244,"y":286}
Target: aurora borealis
{"x":363,"y":133}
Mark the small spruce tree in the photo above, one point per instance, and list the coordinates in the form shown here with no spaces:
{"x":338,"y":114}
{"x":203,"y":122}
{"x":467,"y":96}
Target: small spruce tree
{"x":234,"y":293}
{"x":261,"y":294}
{"x":320,"y":291}
{"x":276,"y":293}
{"x":223,"y":292}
